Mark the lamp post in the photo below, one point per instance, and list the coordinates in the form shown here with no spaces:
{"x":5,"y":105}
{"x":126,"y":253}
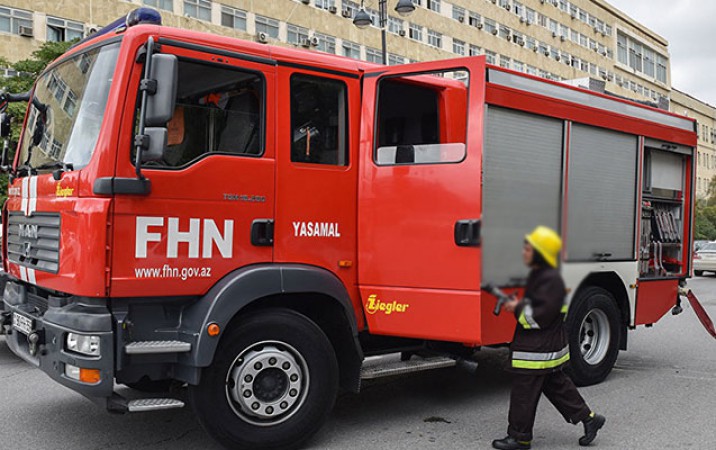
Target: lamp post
{"x":362,"y":19}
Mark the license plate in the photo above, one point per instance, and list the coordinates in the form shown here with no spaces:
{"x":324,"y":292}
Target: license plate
{"x":22,"y":324}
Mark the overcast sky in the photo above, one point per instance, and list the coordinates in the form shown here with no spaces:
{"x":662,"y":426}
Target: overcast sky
{"x":688,"y":25}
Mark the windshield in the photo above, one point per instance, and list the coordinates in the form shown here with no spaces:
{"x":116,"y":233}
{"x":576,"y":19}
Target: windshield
{"x":67,"y":111}
{"x":711,"y":247}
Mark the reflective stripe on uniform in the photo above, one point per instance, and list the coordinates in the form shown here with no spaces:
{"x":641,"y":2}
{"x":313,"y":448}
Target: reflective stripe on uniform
{"x":539,"y":360}
{"x":527,"y":319}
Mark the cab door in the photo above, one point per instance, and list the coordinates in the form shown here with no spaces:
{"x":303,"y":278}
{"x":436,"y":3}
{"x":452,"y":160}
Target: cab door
{"x":214,"y":181}
{"x":420,"y":200}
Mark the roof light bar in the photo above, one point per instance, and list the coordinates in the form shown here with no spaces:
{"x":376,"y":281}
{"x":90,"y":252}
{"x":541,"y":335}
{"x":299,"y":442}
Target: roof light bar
{"x":135,"y":17}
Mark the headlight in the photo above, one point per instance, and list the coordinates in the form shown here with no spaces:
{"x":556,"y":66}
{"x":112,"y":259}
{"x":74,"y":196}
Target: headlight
{"x":83,"y":343}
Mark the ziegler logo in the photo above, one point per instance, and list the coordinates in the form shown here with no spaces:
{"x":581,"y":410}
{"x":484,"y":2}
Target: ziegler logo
{"x":374,"y":305}
{"x":63,"y":192}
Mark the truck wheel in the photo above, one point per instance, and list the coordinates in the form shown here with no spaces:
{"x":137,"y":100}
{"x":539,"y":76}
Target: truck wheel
{"x":593,"y":331}
{"x":272,"y":384}
{"x":698,"y":273}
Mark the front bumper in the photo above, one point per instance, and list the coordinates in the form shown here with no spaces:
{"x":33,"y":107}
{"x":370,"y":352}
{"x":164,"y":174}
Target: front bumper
{"x":53,"y":319}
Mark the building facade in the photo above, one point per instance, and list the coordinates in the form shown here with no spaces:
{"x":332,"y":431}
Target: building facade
{"x":555,"y":39}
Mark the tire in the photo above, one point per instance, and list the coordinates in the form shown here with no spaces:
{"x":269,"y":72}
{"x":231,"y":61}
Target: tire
{"x":287,"y":376}
{"x":698,"y":273}
{"x":593,"y":328}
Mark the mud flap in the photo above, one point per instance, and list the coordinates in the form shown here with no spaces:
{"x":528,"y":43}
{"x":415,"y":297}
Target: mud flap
{"x":700,"y":311}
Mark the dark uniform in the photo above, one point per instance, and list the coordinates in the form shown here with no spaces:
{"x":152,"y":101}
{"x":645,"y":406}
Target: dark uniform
{"x":538,"y":354}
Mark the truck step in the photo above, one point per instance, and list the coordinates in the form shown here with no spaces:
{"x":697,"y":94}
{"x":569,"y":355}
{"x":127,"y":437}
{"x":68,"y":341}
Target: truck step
{"x":153,"y":404}
{"x":403,"y":367}
{"x":154,"y":347}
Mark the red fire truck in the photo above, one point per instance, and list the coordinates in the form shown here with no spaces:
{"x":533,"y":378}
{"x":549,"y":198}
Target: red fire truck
{"x":253,"y":222}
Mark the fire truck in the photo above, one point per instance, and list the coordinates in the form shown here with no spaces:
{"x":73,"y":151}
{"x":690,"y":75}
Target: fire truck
{"x":254,"y":223}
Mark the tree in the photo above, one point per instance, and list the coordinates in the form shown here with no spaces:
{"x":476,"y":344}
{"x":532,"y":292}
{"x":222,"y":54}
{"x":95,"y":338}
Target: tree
{"x":27,"y":72}
{"x":705,"y":214}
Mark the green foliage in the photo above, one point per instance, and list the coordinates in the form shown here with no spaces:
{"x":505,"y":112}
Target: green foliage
{"x":705,"y":215}
{"x":28,"y":71}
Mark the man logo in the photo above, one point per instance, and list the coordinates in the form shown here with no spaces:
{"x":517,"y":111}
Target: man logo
{"x":28,"y":231}
{"x":26,"y":249}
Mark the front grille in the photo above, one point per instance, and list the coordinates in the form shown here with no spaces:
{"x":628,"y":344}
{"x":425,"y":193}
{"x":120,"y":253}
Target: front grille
{"x":34,"y":241}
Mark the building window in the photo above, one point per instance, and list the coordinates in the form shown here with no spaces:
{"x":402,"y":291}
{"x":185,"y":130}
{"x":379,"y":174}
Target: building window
{"x":435,"y":39}
{"x":296,"y":35}
{"x":661,"y":68}
{"x":458,"y":47}
{"x":395,"y":25}
{"x":458,"y":13}
{"x":504,"y":4}
{"x":351,"y":50}
{"x":416,"y":32}
{"x":433,"y":5}
{"x":167,"y":5}
{"x":530,"y":15}
{"x":394,"y":60}
{"x":60,"y":30}
{"x":490,"y":25}
{"x":474,"y":19}
{"x":518,"y":66}
{"x":319,"y":119}
{"x":268,"y":26}
{"x":531,"y":43}
{"x":351,"y":8}
{"x":474,"y":50}
{"x":490,"y":57}
{"x":198,"y":9}
{"x":505,"y":61}
{"x":325,"y":4}
{"x":233,"y":18}
{"x":373,"y":55}
{"x":518,"y":8}
{"x":326,"y":43}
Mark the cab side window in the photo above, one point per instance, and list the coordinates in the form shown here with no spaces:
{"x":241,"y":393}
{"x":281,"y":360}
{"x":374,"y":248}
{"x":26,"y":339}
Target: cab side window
{"x":218,"y":110}
{"x":319,"y":121}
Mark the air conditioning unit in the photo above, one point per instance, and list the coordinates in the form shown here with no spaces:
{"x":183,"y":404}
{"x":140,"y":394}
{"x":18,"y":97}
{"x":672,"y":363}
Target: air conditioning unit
{"x":536,"y":49}
{"x":306,"y":2}
{"x":554,"y":34}
{"x":305,"y":42}
{"x":262,"y":36}
{"x":562,"y":38}
{"x":522,"y":20}
{"x":91,"y":29}
{"x":494,"y":1}
{"x":529,"y":22}
{"x":494,"y":31}
{"x":314,"y":41}
{"x":332,"y":9}
{"x":25,"y":31}
{"x":574,"y":16}
{"x":461,"y":19}
{"x":557,"y":57}
{"x":402,"y":33}
{"x":546,"y":53}
{"x":604,"y":53}
{"x":346,"y":13}
{"x":507,"y":7}
{"x":479,"y":26}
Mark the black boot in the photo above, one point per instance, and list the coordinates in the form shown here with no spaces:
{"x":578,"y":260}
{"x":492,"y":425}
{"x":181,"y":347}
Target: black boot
{"x":510,"y":443}
{"x":591,"y":426}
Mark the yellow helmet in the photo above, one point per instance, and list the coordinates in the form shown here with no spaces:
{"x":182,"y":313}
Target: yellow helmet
{"x":546,"y":242}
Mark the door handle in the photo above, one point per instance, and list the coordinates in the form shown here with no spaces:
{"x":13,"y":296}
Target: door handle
{"x":262,"y":232}
{"x":467,"y":232}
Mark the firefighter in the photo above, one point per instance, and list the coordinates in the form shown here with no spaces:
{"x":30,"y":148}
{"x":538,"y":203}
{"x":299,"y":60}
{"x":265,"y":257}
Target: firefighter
{"x":539,"y":349}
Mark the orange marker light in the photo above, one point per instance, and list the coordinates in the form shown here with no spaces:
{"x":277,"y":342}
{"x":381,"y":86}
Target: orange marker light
{"x":213,"y":330}
{"x":90,"y":376}
{"x":345,"y":263}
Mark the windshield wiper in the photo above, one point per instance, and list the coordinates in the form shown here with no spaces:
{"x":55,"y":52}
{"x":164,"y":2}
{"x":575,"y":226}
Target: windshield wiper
{"x":59,"y":165}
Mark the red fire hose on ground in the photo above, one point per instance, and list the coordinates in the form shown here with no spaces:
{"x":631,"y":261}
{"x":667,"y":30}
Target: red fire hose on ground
{"x":699,"y":310}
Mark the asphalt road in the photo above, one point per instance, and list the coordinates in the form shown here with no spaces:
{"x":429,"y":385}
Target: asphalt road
{"x":661,"y":394}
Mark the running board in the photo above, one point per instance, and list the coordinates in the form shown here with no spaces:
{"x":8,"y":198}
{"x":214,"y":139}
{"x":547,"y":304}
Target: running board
{"x":153,"y":404}
{"x":121,"y":405}
{"x":155,"y":347}
{"x":403,"y":367}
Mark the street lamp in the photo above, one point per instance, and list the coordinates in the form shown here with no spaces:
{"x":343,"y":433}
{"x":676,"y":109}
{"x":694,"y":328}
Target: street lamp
{"x":363,"y":19}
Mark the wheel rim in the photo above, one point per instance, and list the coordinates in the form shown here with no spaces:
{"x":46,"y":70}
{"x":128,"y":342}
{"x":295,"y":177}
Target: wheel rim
{"x":267,"y":383}
{"x":594,"y":336}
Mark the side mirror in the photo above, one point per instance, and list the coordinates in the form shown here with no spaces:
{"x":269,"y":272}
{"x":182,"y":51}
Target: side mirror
{"x":160,"y":104}
{"x":156,"y":145}
{"x":4,"y":125}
